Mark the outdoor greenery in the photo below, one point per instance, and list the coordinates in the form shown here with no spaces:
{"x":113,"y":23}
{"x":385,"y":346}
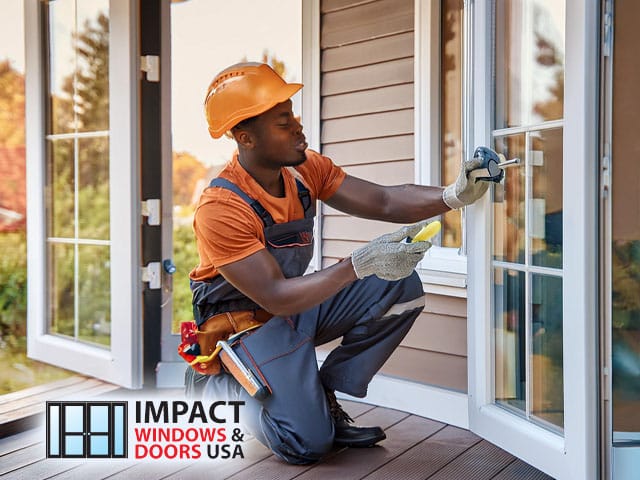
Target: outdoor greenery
{"x":17,"y":370}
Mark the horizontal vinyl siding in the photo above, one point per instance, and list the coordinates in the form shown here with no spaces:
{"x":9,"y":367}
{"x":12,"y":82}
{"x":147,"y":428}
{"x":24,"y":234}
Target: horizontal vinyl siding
{"x":367,"y":114}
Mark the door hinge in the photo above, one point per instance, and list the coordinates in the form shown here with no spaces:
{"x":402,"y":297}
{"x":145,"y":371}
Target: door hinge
{"x":150,"y":64}
{"x":152,"y":273}
{"x":151,"y":209}
{"x":607,"y":32}
{"x":605,"y":174}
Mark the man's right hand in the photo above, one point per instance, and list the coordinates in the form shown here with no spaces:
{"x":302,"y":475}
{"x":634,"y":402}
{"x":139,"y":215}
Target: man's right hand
{"x":389,"y":257}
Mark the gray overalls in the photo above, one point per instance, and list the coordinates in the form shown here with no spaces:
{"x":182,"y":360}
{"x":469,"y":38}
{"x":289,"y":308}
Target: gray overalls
{"x":371,"y":315}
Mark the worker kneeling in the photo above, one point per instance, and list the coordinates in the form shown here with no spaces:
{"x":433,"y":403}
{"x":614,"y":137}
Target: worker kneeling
{"x":254,"y":232}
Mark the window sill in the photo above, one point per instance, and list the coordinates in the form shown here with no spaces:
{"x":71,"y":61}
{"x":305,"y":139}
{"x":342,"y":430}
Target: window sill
{"x":443,"y":283}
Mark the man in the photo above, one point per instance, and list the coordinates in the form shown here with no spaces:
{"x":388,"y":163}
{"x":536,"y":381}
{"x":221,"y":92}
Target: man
{"x":254,"y":231}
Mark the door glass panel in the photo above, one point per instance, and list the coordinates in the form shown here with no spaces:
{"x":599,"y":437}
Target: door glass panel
{"x":510,"y":338}
{"x":451,"y":111}
{"x":509,"y":215}
{"x":545,"y":234}
{"x":527,"y":215}
{"x":62,"y":16}
{"x":93,"y":188}
{"x":78,"y":220}
{"x":94,"y":298}
{"x":529,"y":62}
{"x":546,"y":343}
{"x":61,"y":288}
{"x":272,"y":33}
{"x":61,"y":188}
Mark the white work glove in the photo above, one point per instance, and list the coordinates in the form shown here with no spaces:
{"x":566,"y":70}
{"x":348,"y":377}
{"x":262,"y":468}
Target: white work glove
{"x":465,"y":191}
{"x":389,"y":257}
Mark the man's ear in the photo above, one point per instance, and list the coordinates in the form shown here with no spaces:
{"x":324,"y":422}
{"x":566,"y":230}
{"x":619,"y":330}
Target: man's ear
{"x":244,"y":138}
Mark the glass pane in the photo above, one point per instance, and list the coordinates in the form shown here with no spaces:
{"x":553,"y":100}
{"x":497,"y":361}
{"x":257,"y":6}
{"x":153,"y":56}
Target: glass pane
{"x":62,"y":20}
{"x":94,"y":297}
{"x":93,"y":188}
{"x":61,"y":189}
{"x":61,"y":288}
{"x":99,"y":415}
{"x":92,"y":80}
{"x":546,"y":359}
{"x":451,"y":112}
{"x":529,"y":53}
{"x":74,"y":418}
{"x":545,"y":228}
{"x":509,"y":215}
{"x":510,"y":338}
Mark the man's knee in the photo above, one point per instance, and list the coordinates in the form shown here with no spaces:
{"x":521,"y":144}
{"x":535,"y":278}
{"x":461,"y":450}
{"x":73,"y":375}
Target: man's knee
{"x":412,"y":287}
{"x":304,"y":450}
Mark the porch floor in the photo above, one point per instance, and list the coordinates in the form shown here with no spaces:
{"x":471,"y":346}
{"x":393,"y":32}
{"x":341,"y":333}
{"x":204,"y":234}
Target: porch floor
{"x":415,"y":448}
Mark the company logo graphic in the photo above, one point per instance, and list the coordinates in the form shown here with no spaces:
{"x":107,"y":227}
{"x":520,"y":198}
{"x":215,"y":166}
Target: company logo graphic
{"x":86,"y":429}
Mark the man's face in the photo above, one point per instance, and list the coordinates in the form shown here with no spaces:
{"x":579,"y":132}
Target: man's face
{"x":279,"y":138}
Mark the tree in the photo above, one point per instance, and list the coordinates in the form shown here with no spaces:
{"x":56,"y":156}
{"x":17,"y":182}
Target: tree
{"x":11,"y":106}
{"x":187,"y":171}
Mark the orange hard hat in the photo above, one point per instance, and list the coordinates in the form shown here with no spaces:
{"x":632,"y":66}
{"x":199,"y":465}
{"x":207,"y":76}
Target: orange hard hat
{"x":242,"y":91}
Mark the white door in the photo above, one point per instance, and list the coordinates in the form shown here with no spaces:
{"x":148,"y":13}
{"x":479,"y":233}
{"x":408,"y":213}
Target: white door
{"x":532,"y":243}
{"x":84,"y":280}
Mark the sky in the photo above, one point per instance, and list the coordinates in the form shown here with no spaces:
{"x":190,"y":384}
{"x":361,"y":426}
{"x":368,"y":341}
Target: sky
{"x":12,"y":33}
{"x":208,"y":36}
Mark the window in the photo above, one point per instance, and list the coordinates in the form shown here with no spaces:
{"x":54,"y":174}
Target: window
{"x":441,"y":93}
{"x":84,"y":275}
{"x":77,"y":146}
{"x":87,"y":429}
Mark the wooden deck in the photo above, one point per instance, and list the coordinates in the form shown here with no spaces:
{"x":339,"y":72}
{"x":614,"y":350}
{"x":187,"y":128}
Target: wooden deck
{"x":415,"y":448}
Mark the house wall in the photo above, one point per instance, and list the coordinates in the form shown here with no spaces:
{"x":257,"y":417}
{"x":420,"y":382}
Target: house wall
{"x":367,"y":115}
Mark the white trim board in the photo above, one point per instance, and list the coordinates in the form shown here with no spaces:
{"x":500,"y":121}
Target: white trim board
{"x":419,"y":399}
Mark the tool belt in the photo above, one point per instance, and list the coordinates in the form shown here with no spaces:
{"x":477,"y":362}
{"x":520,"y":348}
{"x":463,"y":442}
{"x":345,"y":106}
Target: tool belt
{"x":199,"y":345}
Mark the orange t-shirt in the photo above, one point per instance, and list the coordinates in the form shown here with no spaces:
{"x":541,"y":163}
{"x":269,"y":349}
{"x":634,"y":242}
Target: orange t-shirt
{"x":226,"y":227}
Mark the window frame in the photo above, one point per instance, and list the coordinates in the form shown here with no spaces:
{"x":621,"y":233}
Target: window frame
{"x":441,"y":265}
{"x":121,"y":363}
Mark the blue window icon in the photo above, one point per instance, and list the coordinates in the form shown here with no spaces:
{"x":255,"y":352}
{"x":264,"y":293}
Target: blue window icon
{"x":87,"y":429}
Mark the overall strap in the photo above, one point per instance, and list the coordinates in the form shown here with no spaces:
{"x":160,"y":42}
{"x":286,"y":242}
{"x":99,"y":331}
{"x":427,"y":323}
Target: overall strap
{"x":304,"y":196}
{"x":267,"y":219}
{"x":265,"y":216}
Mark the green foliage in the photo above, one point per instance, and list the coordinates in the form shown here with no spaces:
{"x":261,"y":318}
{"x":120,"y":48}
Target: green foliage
{"x":185,"y":257}
{"x":13,"y":288}
{"x":626,"y":284}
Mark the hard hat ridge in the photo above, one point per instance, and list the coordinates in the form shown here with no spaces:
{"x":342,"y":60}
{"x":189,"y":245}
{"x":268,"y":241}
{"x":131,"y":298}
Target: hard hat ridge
{"x":242,"y":91}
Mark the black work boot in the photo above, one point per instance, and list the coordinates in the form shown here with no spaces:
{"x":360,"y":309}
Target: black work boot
{"x":348,"y":435}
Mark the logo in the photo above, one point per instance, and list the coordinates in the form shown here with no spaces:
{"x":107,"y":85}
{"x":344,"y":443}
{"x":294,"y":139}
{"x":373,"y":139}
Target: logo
{"x":86,"y":429}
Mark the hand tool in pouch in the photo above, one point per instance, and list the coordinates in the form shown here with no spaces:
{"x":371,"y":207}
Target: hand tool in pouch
{"x":241,"y":372}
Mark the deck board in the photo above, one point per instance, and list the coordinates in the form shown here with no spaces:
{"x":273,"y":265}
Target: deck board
{"x":428,"y":456}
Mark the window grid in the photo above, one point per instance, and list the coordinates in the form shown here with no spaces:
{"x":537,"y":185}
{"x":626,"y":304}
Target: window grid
{"x":75,"y":136}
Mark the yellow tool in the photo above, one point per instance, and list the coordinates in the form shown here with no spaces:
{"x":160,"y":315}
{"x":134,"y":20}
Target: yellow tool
{"x":427,"y":232}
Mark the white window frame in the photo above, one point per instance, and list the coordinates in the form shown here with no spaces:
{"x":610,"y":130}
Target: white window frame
{"x":311,"y":103}
{"x":122,"y":362}
{"x":442,"y":265}
{"x":575,"y":454}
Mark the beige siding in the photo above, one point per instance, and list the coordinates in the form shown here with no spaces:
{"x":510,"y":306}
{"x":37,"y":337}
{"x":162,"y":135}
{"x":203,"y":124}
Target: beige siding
{"x":367,"y":117}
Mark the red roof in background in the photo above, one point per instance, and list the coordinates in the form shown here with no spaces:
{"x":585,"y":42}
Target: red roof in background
{"x":13,"y":188}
